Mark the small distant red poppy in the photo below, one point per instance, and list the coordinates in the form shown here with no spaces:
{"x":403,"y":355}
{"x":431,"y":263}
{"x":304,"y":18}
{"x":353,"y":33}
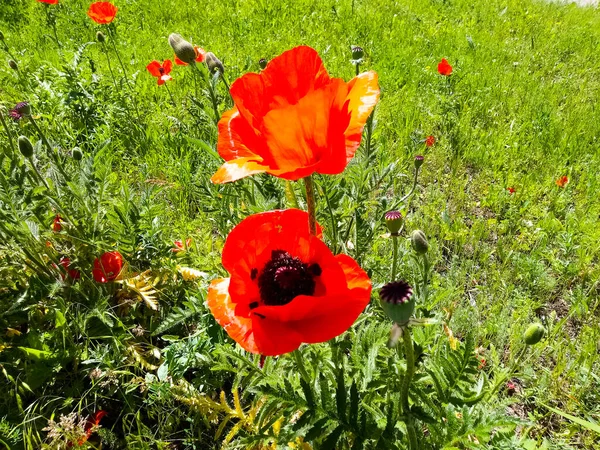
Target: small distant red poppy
{"x":430,"y":140}
{"x":562,"y":181}
{"x":160,"y":71}
{"x":49,"y":2}
{"x":180,"y":247}
{"x":444,"y":68}
{"x":56,"y":224}
{"x":200,"y":56}
{"x":286,"y":287}
{"x":72,"y":273}
{"x":90,"y":426}
{"x":107,"y":267}
{"x":511,"y":190}
{"x":102,"y":12}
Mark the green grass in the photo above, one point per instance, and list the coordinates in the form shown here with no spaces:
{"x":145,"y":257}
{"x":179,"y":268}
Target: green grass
{"x":519,"y":111}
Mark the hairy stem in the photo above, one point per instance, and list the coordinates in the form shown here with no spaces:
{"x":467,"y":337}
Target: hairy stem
{"x":394,"y":257}
{"x":410,"y":371}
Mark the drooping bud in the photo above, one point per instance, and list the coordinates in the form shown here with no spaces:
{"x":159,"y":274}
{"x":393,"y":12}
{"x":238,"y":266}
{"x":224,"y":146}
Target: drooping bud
{"x":25,"y":147}
{"x":100,"y":37}
{"x":419,"y":243}
{"x":213,"y":63}
{"x":77,"y":154}
{"x":397,"y":301}
{"x":357,"y":53}
{"x":419,"y":159}
{"x":262,"y":63}
{"x":534,"y":333}
{"x":393,"y":221}
{"x":182,"y":48}
{"x":13,"y":64}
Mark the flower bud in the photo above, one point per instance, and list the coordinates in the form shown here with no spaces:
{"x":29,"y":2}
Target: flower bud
{"x":262,"y":63}
{"x":213,"y":63}
{"x":13,"y":64}
{"x":25,"y":147}
{"x":393,"y":220}
{"x":100,"y":37}
{"x":357,"y":53}
{"x":534,"y":333}
{"x":419,"y":242}
{"x":419,"y":159}
{"x":77,"y":154}
{"x":183,"y":49}
{"x":397,"y":301}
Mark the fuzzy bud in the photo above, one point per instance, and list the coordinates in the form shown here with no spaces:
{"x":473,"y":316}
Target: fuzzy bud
{"x":419,"y":159}
{"x":77,"y":154}
{"x":357,"y":53}
{"x":25,"y":147}
{"x":393,"y":221}
{"x":419,"y":242}
{"x":534,"y":333}
{"x":100,"y":37}
{"x":213,"y":63}
{"x":397,"y":301}
{"x":262,"y":63}
{"x":13,"y":64}
{"x":182,"y":48}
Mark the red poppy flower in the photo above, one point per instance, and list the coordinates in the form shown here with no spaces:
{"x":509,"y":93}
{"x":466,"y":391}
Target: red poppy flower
{"x":91,"y":425}
{"x":107,"y":267}
{"x":180,"y":247}
{"x":444,"y":68}
{"x":102,"y":12}
{"x":72,"y":273}
{"x":200,"y":56}
{"x":161,"y":71}
{"x":286,"y":287}
{"x":429,"y":141}
{"x":56,"y":224}
{"x":562,"y":181}
{"x":293,"y":119}
{"x":49,"y":2}
{"x":511,"y":190}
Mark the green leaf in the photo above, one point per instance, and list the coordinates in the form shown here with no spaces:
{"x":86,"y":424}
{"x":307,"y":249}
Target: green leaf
{"x":36,"y":354}
{"x":329,"y":443}
{"x":584,"y":423}
{"x":340,"y":393}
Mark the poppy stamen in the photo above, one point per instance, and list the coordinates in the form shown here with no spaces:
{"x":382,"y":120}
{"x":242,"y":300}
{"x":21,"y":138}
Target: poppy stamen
{"x":253,"y":273}
{"x":285,"y":277}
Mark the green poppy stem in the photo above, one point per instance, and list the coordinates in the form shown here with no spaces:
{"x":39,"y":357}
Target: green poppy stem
{"x":410,"y":372}
{"x":310,"y":203}
{"x":394,"y":256}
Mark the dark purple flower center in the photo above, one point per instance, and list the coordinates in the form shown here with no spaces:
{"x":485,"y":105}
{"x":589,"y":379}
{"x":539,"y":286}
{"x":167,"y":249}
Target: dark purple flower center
{"x":161,"y":70}
{"x":396,"y":292}
{"x":284,"y":278}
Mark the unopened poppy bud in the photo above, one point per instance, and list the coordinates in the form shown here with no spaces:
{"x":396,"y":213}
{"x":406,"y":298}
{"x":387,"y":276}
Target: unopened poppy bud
{"x":534,"y":333}
{"x":77,"y":154}
{"x":419,"y":159}
{"x":262,"y":63}
{"x":100,"y":37}
{"x":25,"y":147}
{"x":182,"y":48}
{"x":213,"y":63}
{"x":419,"y":243}
{"x":397,"y":301}
{"x":13,"y":64}
{"x":393,"y":221}
{"x":357,"y":52}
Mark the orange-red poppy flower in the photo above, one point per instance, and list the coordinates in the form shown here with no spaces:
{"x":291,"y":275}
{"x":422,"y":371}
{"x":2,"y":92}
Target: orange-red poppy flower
{"x":562,"y":181}
{"x":511,"y":190}
{"x":57,"y":224}
{"x":286,"y":287}
{"x":180,"y":247}
{"x":107,"y":267}
{"x":200,"y":56}
{"x":160,"y":71}
{"x":48,"y":2}
{"x":90,"y":426}
{"x":444,"y":68}
{"x":293,"y":119}
{"x":102,"y":12}
{"x":429,"y":141}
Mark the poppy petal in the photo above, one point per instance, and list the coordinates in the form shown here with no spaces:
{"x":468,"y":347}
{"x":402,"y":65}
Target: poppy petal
{"x":236,"y":136}
{"x":167,"y":66}
{"x":154,"y":68}
{"x":237,"y":169}
{"x":274,"y":338}
{"x":220,"y":305}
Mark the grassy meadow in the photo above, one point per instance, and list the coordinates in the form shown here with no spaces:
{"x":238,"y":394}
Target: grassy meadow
{"x":519,"y":111}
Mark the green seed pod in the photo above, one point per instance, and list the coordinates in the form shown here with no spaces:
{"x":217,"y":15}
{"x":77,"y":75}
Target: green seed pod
{"x":13,"y":64}
{"x":100,"y":37}
{"x":419,"y":159}
{"x":213,"y":63}
{"x":25,"y":147}
{"x":182,"y":48}
{"x":77,"y":154}
{"x":534,"y":333}
{"x":262,"y":63}
{"x":357,"y":52}
{"x":419,"y":242}
{"x":397,"y":301}
{"x":393,"y":221}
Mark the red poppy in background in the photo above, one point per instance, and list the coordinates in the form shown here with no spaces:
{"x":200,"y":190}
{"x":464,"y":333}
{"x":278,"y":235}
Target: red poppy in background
{"x":444,"y":68}
{"x":200,"y":56}
{"x":91,"y":426}
{"x":286,"y":287}
{"x":49,"y":2}
{"x":562,"y":181}
{"x":293,"y":119}
{"x":107,"y":267}
{"x":72,"y":273}
{"x":102,"y":12}
{"x":180,"y":247}
{"x":161,"y":71}
{"x":56,"y":224}
{"x":429,"y":141}
{"x":511,"y":190}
